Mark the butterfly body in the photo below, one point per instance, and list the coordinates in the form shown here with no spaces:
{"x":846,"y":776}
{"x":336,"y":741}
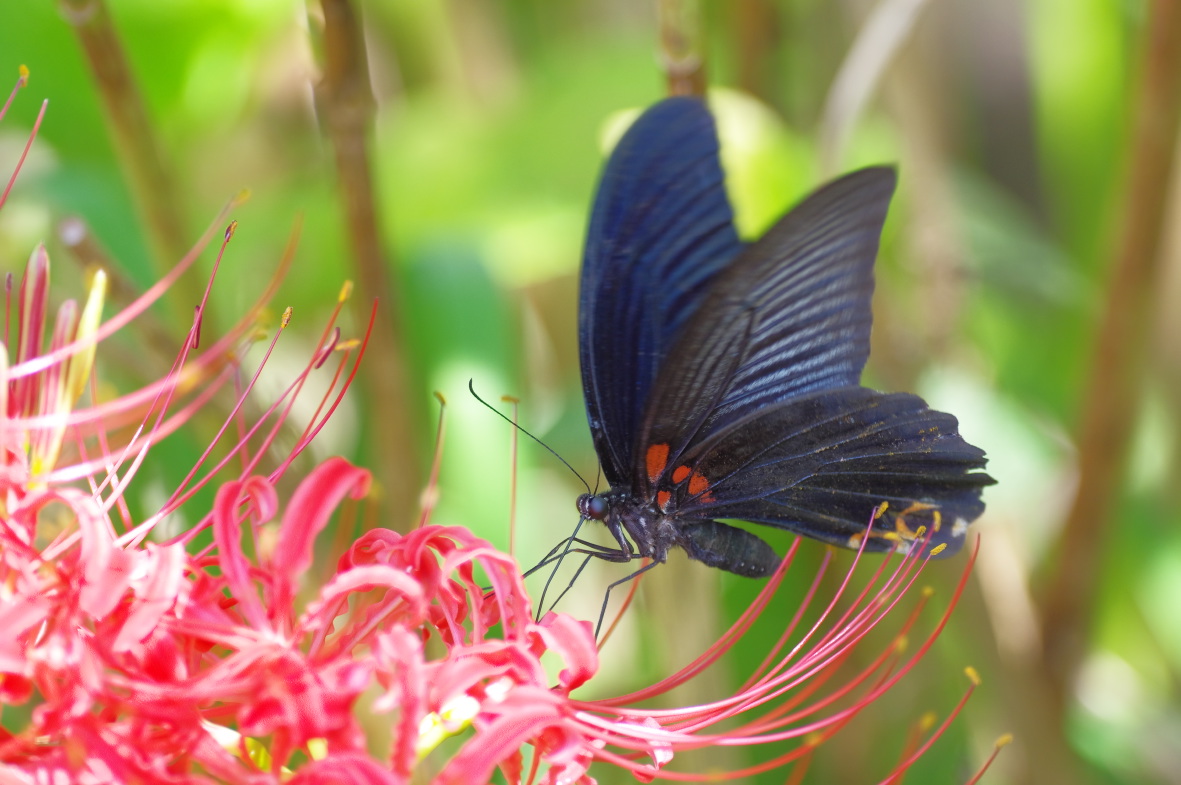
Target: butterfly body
{"x":655,"y":532}
{"x":723,"y":379}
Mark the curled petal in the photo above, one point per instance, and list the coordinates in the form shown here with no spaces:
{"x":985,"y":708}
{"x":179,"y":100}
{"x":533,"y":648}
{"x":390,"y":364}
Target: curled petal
{"x":524,"y":714}
{"x":298,"y":700}
{"x":574,"y":641}
{"x":364,"y":579}
{"x":661,"y":752}
{"x":17,"y":616}
{"x":402,"y":670}
{"x":308,"y":512}
{"x":106,"y":568}
{"x":157,"y":590}
{"x":482,"y":665}
{"x":346,"y":769}
{"x":227,"y":533}
{"x":376,"y":546}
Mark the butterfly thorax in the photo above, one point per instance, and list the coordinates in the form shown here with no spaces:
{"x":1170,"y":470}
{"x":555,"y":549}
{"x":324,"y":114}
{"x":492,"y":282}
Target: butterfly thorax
{"x":656,"y":528}
{"x":652,"y":530}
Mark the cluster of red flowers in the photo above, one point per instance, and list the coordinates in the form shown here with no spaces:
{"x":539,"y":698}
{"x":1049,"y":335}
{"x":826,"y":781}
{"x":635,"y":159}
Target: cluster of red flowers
{"x":129,"y":660}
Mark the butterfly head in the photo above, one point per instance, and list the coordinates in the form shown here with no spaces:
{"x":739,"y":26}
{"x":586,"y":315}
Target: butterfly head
{"x":593,"y":506}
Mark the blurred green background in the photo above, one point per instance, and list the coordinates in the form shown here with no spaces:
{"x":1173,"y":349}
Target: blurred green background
{"x":1011,"y":125}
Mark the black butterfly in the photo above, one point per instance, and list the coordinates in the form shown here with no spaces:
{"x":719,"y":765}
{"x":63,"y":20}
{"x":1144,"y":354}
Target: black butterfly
{"x":722,"y":379}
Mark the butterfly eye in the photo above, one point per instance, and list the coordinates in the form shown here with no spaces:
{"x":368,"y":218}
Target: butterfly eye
{"x":594,"y":507}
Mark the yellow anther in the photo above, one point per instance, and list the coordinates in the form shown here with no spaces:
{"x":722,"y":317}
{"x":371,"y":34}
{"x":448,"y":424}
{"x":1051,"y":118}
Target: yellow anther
{"x":938,"y":549}
{"x":451,"y":719}
{"x":901,"y":643}
{"x":440,"y":398}
{"x":346,"y":291}
{"x":973,"y":675}
{"x":82,"y":363}
{"x":233,"y":227}
{"x":286,"y":318}
{"x":928,"y":592}
{"x":1005,"y":740}
{"x":24,"y":74}
{"x":927,"y":721}
{"x":814,"y":739}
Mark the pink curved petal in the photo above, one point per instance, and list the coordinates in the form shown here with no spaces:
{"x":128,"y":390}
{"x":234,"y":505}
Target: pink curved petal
{"x":402,"y":670}
{"x":17,"y":616}
{"x":574,"y":641}
{"x":524,"y":716}
{"x":346,"y":769}
{"x":227,"y":533}
{"x":308,"y":512}
{"x":156,"y":593}
{"x":364,"y":579}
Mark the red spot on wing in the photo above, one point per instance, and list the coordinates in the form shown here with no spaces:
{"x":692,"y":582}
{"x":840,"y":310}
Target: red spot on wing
{"x":656,"y":460}
{"x":680,"y":473}
{"x":663,"y":498}
{"x":699,"y":486}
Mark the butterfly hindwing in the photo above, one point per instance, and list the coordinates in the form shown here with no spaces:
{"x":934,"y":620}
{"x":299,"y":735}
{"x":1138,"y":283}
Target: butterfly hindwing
{"x":660,"y":231}
{"x":819,"y":464}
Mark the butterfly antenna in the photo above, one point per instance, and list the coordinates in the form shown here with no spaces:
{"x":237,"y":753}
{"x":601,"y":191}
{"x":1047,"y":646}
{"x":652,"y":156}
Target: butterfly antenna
{"x":471,"y":388}
{"x":512,"y":499}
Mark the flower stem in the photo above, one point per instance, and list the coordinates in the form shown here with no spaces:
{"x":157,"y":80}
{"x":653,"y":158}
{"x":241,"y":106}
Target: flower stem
{"x":681,"y":46}
{"x":140,"y":152}
{"x":1118,"y":363}
{"x":344,"y":98}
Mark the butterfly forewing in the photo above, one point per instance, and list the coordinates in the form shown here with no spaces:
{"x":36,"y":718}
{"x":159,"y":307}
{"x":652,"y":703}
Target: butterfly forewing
{"x":661,"y":230}
{"x":790,"y":315}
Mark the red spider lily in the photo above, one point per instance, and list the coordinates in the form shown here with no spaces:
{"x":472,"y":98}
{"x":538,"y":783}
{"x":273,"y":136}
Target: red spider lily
{"x":141,"y":661}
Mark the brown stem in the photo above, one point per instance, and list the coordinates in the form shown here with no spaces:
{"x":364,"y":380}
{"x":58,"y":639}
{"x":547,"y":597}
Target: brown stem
{"x":681,"y":46}
{"x":344,"y":99}
{"x":756,"y":35}
{"x":1118,"y":364}
{"x":140,"y":153}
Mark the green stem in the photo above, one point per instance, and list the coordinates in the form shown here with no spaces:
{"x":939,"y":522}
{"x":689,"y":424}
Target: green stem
{"x":140,"y":153}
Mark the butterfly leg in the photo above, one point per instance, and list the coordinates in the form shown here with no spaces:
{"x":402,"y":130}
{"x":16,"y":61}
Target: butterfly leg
{"x":585,"y":561}
{"x":567,"y":543}
{"x":607,"y":594}
{"x":589,"y":549}
{"x":565,"y":547}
